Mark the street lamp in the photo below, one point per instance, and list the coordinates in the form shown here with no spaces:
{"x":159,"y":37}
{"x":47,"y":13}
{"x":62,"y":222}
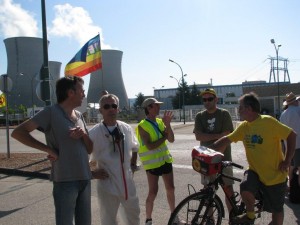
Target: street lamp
{"x":182,"y":79}
{"x":277,"y":49}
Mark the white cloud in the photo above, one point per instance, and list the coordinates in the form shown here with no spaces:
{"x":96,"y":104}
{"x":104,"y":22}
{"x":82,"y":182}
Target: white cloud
{"x":15,"y":21}
{"x":74,"y":22}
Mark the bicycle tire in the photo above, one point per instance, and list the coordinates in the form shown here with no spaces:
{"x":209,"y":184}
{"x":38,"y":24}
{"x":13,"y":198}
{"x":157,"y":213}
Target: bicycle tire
{"x":186,"y":210}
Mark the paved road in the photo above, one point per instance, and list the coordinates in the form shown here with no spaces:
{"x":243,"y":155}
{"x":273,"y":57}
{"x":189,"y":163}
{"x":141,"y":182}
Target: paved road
{"x":29,"y":201}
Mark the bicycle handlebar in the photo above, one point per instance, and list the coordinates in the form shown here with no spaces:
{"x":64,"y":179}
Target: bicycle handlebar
{"x":237,"y":165}
{"x":229,"y":163}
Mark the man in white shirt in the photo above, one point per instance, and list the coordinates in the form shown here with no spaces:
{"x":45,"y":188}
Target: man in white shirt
{"x":115,"y":151}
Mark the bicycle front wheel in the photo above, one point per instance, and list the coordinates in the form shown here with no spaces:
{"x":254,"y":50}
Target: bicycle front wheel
{"x":198,"y":209}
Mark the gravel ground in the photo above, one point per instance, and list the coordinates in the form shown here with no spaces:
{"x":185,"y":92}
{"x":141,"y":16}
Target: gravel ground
{"x":31,"y":162}
{"x":28,"y":162}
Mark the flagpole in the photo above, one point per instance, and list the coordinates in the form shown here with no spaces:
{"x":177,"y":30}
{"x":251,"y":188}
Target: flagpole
{"x":102,"y":81}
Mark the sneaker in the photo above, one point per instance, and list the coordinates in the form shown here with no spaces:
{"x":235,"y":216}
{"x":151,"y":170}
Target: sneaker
{"x":178,"y":221}
{"x":149,"y":222}
{"x":242,"y":219}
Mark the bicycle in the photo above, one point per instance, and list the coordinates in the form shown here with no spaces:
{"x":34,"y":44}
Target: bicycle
{"x":205,"y":207}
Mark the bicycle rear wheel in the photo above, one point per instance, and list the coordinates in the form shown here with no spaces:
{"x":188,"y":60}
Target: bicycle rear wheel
{"x":195,"y":210}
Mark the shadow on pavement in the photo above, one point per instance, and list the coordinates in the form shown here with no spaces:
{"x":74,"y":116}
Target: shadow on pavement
{"x":6,"y":213}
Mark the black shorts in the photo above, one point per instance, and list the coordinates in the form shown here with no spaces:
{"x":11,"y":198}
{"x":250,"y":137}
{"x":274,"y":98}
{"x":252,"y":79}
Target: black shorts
{"x":164,"y":169}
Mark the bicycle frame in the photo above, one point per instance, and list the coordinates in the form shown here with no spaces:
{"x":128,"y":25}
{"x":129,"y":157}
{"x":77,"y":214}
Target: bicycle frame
{"x":205,"y":206}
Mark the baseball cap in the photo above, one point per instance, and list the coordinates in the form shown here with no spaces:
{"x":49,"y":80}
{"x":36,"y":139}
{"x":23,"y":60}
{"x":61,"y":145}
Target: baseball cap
{"x":149,"y":101}
{"x":208,"y":91}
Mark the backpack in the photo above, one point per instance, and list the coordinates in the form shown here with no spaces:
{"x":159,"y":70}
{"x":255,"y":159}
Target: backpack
{"x":294,"y":188}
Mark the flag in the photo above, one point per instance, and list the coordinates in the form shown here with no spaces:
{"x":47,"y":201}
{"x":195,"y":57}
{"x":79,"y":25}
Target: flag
{"x":87,"y":59}
{"x":2,"y":100}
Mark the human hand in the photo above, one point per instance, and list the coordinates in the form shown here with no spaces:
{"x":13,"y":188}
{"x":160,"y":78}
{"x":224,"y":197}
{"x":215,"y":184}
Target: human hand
{"x":168,"y":115}
{"x":52,"y":155}
{"x":100,"y":174}
{"x":134,"y":168}
{"x":284,"y":166}
{"x":76,"y":132}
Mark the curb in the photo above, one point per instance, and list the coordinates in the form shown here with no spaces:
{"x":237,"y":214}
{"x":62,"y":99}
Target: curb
{"x":15,"y":172}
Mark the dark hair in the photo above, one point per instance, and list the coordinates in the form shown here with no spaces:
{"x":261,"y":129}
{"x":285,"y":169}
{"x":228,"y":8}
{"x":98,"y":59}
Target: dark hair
{"x":251,"y":100}
{"x":64,"y":84}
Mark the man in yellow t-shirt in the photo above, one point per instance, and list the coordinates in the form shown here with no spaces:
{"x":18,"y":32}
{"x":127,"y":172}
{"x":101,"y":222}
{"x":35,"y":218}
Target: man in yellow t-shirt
{"x":261,"y":136}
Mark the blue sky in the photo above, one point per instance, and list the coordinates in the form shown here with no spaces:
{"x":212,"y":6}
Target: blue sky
{"x":226,"y":41}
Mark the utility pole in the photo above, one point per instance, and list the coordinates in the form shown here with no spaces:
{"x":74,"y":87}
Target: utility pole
{"x":44,"y":72}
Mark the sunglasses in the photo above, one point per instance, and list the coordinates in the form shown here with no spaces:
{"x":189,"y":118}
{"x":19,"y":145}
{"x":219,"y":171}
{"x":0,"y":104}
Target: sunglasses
{"x":108,"y":106}
{"x":208,"y":99}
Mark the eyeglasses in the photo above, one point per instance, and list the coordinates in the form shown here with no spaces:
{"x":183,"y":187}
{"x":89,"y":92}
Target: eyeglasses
{"x":108,"y":106}
{"x":208,"y":99}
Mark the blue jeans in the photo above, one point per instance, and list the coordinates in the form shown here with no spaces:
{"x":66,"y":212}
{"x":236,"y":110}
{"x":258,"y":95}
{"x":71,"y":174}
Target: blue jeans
{"x":72,"y":199}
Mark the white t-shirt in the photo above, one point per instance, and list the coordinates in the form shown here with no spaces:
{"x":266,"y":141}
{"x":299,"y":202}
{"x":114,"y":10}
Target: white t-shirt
{"x":109,"y":158}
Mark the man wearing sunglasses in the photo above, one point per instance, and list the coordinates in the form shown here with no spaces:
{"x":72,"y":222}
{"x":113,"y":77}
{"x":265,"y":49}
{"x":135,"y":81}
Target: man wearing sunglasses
{"x":210,"y":125}
{"x":115,"y":152}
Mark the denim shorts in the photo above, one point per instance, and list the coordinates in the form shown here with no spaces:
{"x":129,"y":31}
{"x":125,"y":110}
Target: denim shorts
{"x":273,"y":195}
{"x":164,"y":169}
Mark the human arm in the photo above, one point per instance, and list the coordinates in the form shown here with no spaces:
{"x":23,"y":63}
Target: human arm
{"x":222,"y":126}
{"x":221,"y":144}
{"x":168,"y":115}
{"x":205,"y":137}
{"x":22,"y":134}
{"x":100,"y":174}
{"x":290,"y":150}
{"x":133,"y":162}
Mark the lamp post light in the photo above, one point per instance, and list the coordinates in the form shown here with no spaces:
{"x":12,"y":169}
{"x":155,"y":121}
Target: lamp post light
{"x":182,"y":80}
{"x":277,"y":50}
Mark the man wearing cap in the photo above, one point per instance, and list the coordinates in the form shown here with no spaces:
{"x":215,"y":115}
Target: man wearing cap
{"x":152,"y":134}
{"x":291,"y":118}
{"x":210,"y":125}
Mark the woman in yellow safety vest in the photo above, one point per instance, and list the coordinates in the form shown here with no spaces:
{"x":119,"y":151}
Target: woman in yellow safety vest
{"x":152,"y":134}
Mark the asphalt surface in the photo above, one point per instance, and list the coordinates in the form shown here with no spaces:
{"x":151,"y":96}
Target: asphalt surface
{"x":27,"y":200}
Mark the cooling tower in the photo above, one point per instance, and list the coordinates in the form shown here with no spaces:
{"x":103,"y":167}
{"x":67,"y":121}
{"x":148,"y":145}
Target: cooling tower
{"x":109,"y":78}
{"x":24,"y":61}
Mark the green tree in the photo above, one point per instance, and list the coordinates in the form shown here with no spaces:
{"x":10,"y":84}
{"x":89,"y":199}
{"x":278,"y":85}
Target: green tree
{"x":139,"y":100}
{"x":22,"y":109}
{"x":177,"y":100}
{"x":194,"y":98}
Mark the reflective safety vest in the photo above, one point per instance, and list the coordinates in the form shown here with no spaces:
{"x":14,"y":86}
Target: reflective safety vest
{"x":154,"y":158}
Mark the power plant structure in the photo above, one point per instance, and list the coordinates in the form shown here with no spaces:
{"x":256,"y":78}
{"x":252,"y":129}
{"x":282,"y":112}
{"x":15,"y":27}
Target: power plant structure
{"x":25,"y":59}
{"x":109,"y":78}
